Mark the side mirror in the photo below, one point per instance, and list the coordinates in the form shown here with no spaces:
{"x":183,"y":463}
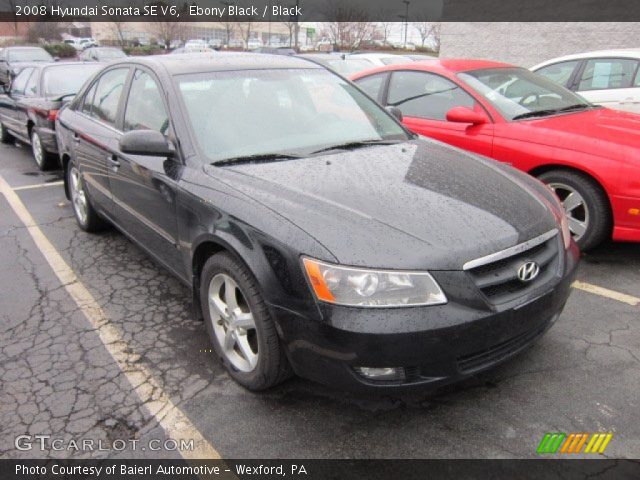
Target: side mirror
{"x":466,"y":115}
{"x":396,"y":112}
{"x":146,"y":142}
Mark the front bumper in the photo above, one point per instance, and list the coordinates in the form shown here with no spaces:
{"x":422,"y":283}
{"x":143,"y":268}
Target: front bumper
{"x":433,"y":345}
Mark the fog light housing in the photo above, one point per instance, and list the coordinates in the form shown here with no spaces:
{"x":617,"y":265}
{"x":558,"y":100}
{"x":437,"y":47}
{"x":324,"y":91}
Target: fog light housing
{"x":381,"y":373}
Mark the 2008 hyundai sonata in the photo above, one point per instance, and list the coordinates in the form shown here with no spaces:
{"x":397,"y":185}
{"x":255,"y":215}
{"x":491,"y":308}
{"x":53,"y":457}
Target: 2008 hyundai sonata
{"x":318,"y":236}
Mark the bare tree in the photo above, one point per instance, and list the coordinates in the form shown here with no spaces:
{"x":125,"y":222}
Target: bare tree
{"x":349,"y":26}
{"x":428,"y":30}
{"x":291,"y":25}
{"x":46,"y":31}
{"x":118,"y":29}
{"x":168,"y":32}
{"x":245,"y":31}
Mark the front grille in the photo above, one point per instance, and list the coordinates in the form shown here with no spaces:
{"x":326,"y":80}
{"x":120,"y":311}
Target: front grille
{"x":496,"y":276}
{"x":485,"y":358}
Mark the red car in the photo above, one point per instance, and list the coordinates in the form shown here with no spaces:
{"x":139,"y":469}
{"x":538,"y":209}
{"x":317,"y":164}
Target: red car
{"x":588,"y":154}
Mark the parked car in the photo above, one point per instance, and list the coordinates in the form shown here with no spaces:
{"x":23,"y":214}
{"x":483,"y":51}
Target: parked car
{"x":254,"y":43}
{"x":610,"y":78}
{"x":275,"y":50}
{"x":28,"y":109}
{"x":13,"y":59}
{"x":341,"y":63}
{"x":81,"y":44}
{"x":317,"y":234}
{"x":192,"y":49}
{"x":195,"y":44}
{"x":381,"y":59}
{"x":589,"y":155}
{"x":101,"y":54}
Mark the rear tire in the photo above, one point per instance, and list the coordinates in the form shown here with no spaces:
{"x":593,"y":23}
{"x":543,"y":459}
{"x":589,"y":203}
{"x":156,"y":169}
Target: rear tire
{"x":86,"y":216}
{"x":229,"y":297}
{"x":44,"y":159}
{"x":585,"y":203}
{"x":5,"y":136}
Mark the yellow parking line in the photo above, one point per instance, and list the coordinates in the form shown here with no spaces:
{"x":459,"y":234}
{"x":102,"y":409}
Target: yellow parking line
{"x":39,"y":185}
{"x":174,"y":422}
{"x":605,"y":292}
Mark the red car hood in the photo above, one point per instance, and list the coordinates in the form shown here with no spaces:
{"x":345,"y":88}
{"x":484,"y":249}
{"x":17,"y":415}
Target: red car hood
{"x":601,"y":131}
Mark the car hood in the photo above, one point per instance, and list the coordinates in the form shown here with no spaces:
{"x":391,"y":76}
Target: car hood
{"x":419,"y":204}
{"x":600,"y":131}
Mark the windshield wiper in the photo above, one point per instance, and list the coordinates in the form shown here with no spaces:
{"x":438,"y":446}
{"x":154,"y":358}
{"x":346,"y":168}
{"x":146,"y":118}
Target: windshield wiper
{"x":353,"y":145}
{"x":536,"y":113}
{"x":542,"y":113}
{"x":577,"y":106}
{"x":260,"y":157}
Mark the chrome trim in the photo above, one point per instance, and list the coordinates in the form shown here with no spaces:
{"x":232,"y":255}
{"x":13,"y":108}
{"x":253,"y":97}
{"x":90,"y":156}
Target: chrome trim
{"x":511,"y":251}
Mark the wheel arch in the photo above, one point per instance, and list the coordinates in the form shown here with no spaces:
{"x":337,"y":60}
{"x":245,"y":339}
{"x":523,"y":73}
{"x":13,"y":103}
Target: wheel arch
{"x":65,"y":158}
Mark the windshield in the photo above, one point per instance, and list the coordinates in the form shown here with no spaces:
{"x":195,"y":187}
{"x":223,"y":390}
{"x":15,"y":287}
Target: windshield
{"x":519,"y":93}
{"x":66,"y":79}
{"x":29,"y":55}
{"x":293,"y":111}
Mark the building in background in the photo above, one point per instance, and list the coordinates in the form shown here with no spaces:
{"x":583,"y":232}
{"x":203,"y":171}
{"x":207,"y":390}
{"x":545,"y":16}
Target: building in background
{"x":529,"y":43}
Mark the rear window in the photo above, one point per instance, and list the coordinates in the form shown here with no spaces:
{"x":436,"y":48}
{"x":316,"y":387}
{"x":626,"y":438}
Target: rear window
{"x":66,"y":79}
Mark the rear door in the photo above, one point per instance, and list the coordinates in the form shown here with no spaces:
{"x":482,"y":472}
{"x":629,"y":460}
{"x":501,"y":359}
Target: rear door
{"x":144,"y":187}
{"x":610,"y":82}
{"x":425,"y":98}
{"x":10,"y":115}
{"x":97,"y":142}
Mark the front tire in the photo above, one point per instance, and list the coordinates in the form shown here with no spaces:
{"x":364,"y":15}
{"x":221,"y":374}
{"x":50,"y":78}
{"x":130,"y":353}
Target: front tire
{"x":5,"y":136}
{"x":585,"y":204}
{"x":239,"y":324}
{"x":86,"y":216}
{"x":43,"y":159}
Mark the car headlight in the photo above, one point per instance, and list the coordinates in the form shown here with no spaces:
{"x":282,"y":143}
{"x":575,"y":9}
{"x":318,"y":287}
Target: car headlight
{"x":363,"y":287}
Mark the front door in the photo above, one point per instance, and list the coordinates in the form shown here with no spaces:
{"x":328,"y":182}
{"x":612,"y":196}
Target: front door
{"x":425,"y":98}
{"x":144,"y":187}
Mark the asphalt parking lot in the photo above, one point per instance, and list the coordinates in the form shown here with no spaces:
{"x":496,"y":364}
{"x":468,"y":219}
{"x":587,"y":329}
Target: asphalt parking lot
{"x":113,"y":353}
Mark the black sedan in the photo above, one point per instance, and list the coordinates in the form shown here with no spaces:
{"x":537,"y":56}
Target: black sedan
{"x":29,"y":107}
{"x":318,"y":236}
{"x":13,"y":59}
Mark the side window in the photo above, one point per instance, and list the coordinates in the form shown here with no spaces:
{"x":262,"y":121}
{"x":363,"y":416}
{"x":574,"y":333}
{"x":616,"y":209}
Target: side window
{"x":20,"y":82}
{"x":559,"y":72}
{"x":145,"y":108}
{"x":31,"y":88}
{"x":372,"y":84}
{"x":104,"y":105}
{"x":425,"y":95}
{"x":607,"y":73}
{"x":636,"y":82}
{"x":87,"y":101}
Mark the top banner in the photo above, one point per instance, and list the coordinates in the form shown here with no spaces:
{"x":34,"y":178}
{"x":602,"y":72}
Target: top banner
{"x":320,"y":10}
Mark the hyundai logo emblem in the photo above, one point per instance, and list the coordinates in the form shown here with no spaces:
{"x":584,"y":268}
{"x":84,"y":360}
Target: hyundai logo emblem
{"x":528,"y":271}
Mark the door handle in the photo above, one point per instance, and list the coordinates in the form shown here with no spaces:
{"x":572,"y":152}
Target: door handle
{"x":114,"y":162}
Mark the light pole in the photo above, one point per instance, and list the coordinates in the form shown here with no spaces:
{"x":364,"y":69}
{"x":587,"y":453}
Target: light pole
{"x":406,"y":21}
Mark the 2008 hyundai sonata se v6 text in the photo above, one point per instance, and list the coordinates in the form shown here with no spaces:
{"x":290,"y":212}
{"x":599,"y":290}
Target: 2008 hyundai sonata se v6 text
{"x":318,"y":236}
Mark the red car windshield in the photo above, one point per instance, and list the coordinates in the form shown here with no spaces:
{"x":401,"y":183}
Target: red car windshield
{"x":518,"y":93}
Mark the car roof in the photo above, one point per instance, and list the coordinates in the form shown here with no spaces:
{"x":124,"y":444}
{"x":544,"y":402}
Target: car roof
{"x":24,"y":47}
{"x":219,"y":61}
{"x":618,"y":52}
{"x":449,"y":65}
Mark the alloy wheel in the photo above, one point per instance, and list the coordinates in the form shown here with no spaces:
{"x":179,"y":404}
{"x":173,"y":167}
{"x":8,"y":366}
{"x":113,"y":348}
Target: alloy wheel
{"x":78,"y":195}
{"x":36,"y":148}
{"x":233,"y":323}
{"x":575,"y":207}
